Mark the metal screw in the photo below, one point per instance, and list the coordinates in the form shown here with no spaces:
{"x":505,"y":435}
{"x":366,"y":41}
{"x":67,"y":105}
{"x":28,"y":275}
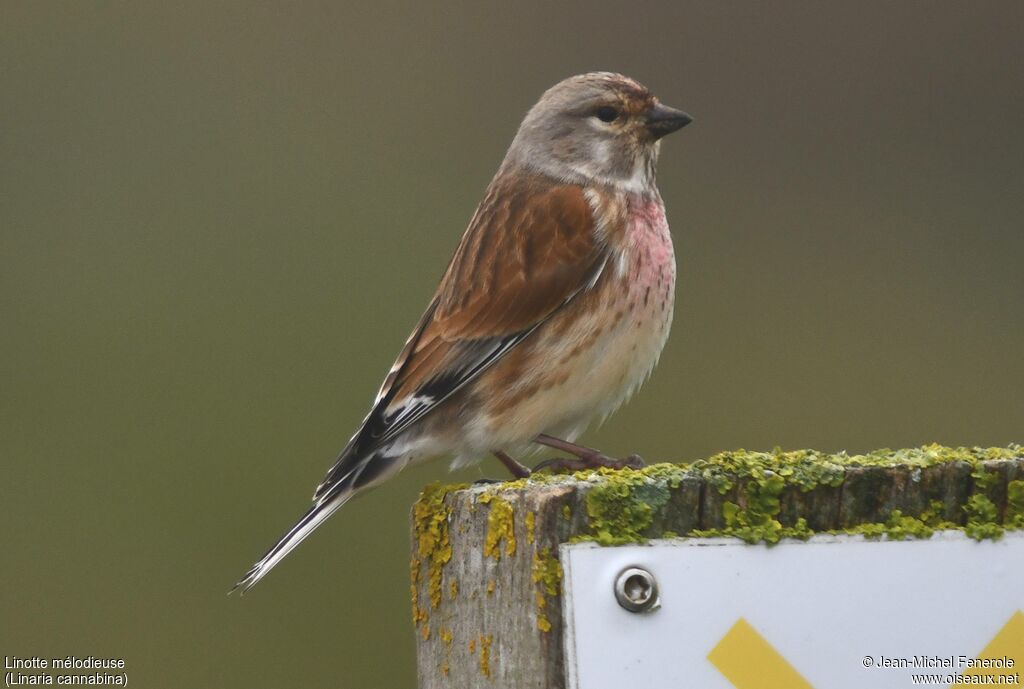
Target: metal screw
{"x":636,"y":590}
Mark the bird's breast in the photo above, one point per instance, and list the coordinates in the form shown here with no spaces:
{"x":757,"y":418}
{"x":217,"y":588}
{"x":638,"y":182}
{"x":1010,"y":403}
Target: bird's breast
{"x":645,"y":252}
{"x":646,"y":275}
{"x":594,"y":354}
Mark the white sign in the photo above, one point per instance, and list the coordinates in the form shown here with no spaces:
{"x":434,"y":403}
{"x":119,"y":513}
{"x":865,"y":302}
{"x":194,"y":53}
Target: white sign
{"x":834,"y":612}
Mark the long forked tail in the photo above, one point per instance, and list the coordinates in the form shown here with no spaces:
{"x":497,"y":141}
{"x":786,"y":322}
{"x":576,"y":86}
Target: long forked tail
{"x":316,"y":516}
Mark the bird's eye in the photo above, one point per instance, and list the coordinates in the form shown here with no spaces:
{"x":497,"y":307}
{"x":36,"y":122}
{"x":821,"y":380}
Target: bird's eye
{"x":606,"y":113}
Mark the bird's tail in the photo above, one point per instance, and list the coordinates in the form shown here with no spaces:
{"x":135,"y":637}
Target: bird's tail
{"x":360,"y":474}
{"x":316,"y":516}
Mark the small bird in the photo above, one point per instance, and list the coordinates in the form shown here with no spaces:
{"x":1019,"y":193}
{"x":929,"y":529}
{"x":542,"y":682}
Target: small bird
{"x":552,"y":312}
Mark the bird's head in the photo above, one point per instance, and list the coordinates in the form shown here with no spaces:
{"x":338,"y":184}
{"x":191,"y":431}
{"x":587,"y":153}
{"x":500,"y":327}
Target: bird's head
{"x":598,"y":127}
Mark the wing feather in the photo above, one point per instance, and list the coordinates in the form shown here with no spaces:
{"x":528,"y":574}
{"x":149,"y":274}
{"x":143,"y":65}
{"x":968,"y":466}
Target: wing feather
{"x":529,"y":249}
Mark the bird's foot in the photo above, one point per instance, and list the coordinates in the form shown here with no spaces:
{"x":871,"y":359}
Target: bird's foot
{"x":590,"y":460}
{"x":515,"y":468}
{"x":585,"y":457}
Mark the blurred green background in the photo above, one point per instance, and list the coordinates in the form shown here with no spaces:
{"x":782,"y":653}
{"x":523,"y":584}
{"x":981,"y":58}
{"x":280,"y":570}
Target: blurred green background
{"x":219,"y":223}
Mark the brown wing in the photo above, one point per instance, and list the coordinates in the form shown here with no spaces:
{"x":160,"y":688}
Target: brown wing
{"x":529,"y":249}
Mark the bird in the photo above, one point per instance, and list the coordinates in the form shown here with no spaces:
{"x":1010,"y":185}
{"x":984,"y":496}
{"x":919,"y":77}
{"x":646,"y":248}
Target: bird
{"x":552,"y":312}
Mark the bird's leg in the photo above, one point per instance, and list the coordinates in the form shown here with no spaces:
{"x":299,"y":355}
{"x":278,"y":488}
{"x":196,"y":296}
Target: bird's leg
{"x":586,"y":458}
{"x":514,"y":467}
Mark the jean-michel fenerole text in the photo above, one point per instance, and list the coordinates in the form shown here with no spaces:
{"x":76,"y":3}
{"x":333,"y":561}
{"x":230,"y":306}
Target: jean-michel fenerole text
{"x":955,"y":662}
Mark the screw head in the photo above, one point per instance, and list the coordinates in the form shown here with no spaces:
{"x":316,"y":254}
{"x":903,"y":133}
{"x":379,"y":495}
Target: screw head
{"x":636,"y":590}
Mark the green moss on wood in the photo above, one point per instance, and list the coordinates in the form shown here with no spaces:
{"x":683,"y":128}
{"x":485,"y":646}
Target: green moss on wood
{"x":759,"y":497}
{"x":756,"y":521}
{"x":900,"y":527}
{"x":982,"y":518}
{"x":625,"y":506}
{"x":759,"y":479}
{"x":755,"y":496}
{"x":983,"y":479}
{"x":621,"y":505}
{"x":1014,"y":518}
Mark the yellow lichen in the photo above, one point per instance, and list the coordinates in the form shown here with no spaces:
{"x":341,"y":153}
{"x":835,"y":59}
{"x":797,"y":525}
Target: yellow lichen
{"x":530,"y":524}
{"x":418,"y":614}
{"x":490,"y":586}
{"x":547,"y":572}
{"x":543,"y":623}
{"x":446,"y":637}
{"x":547,"y":575}
{"x":453,"y":589}
{"x":433,"y":549}
{"x":485,"y":654}
{"x":500,"y":527}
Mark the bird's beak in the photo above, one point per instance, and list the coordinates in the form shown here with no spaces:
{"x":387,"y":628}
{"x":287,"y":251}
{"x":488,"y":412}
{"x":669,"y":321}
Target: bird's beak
{"x":662,"y":120}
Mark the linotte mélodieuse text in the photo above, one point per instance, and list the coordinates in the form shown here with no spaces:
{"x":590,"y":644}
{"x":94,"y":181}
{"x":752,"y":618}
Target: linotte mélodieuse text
{"x":54,"y":667}
{"x":956,"y":662}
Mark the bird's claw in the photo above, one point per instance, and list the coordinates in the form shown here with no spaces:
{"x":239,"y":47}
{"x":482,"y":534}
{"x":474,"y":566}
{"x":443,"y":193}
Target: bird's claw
{"x":634,"y":461}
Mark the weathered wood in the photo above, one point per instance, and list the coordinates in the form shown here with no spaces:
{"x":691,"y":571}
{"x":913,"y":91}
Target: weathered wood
{"x":486,"y":581}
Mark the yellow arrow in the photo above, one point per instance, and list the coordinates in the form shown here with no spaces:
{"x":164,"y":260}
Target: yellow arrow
{"x":750,"y":662}
{"x":1008,"y":643}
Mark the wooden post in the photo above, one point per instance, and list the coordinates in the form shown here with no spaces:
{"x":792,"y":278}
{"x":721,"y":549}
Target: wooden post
{"x":486,"y":580}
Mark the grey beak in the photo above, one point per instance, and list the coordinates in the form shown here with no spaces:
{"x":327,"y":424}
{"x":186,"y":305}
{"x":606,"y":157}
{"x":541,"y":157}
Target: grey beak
{"x":662,"y":120}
